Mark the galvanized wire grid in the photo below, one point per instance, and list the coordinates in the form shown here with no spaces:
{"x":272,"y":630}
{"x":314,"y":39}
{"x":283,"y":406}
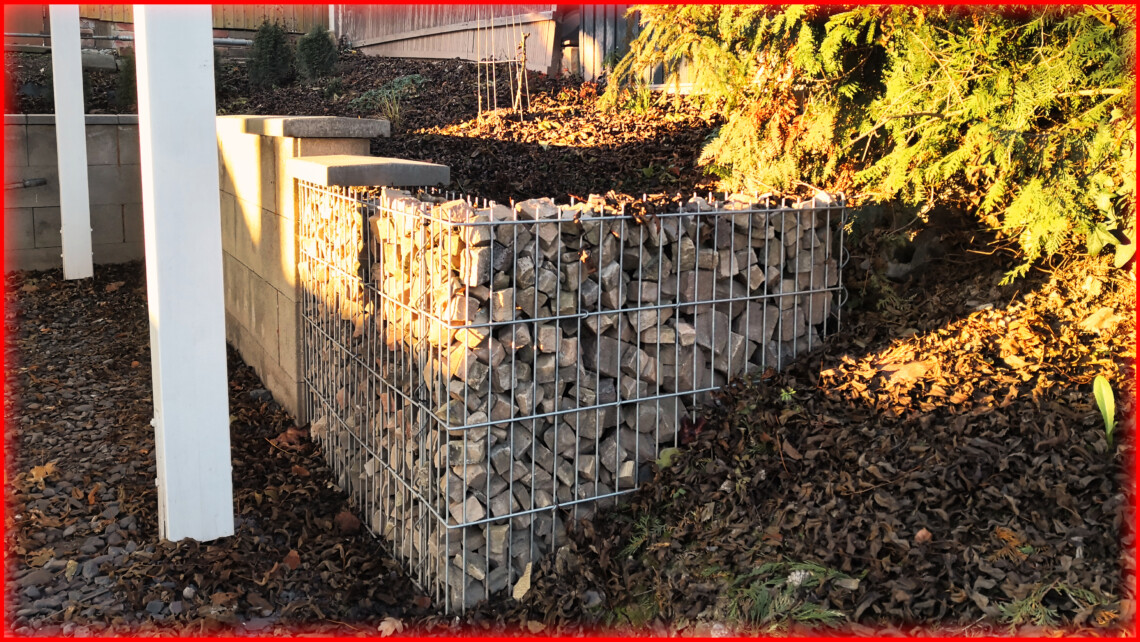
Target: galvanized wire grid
{"x":477,"y":373}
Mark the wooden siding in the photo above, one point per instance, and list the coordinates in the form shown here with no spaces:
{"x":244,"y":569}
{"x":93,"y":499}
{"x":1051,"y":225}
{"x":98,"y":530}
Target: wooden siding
{"x":604,"y":34}
{"x":296,"y":18}
{"x":450,"y":31}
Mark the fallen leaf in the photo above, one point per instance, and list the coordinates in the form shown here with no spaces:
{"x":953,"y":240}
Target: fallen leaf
{"x":40,"y":473}
{"x":422,"y":601}
{"x":292,"y":560}
{"x":223,"y":599}
{"x":922,"y":536}
{"x":849,"y":583}
{"x":790,"y":451}
{"x":347,"y":523}
{"x":299,"y":471}
{"x":535,"y":627}
{"x":135,"y":364}
{"x":523,"y":585}
{"x":70,"y":570}
{"x":390,"y":625}
{"x":29,"y":288}
{"x":41,"y":557}
{"x":111,"y":287}
{"x":1101,"y":320}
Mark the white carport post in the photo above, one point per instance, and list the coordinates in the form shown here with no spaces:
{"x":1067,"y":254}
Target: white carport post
{"x":182,"y":233}
{"x":71,"y":142}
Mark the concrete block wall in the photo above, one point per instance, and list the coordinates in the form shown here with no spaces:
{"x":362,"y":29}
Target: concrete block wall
{"x":259,"y":235}
{"x":31,"y":215}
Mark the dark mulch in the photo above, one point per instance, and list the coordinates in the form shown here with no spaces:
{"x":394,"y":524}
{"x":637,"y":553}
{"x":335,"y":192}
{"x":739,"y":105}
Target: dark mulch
{"x":82,"y":532}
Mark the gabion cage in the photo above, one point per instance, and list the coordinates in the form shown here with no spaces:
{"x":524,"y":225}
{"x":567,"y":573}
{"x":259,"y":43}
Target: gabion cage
{"x":478,"y":373}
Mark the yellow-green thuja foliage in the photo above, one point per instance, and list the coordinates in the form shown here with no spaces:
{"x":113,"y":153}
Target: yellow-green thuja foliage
{"x":1026,"y":115}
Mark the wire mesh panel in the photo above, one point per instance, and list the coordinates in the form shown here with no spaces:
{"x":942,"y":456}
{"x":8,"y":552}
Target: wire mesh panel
{"x":478,"y":373}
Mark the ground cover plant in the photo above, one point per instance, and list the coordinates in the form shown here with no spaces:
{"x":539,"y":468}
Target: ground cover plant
{"x":943,"y":465}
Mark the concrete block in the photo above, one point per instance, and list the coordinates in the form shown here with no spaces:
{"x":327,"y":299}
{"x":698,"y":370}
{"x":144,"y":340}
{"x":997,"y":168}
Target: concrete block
{"x":367,"y":170}
{"x":128,"y":143}
{"x":277,"y":250}
{"x":313,"y":126}
{"x":117,"y":253}
{"x":42,"y":196}
{"x":250,"y":168}
{"x":288,"y":335}
{"x":43,"y":258}
{"x":41,"y":119}
{"x":15,"y":119}
{"x":19,"y":229}
{"x":132,"y":223}
{"x":263,"y":317}
{"x":129,"y":119}
{"x":235,"y":279}
{"x":114,"y":184}
{"x":15,"y":144}
{"x":101,"y":119}
{"x":229,"y":221}
{"x":47,"y":224}
{"x":247,"y":233}
{"x":329,"y":146}
{"x":41,"y":145}
{"x":106,"y":224}
{"x":92,"y":59}
{"x":102,"y":145}
{"x":283,"y":150}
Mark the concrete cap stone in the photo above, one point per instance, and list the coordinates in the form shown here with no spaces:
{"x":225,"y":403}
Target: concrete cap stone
{"x":315,"y":126}
{"x":348,"y":171}
{"x":41,"y":119}
{"x":15,"y":119}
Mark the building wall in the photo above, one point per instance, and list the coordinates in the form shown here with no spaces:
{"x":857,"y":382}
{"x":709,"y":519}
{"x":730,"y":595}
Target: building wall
{"x":31,"y":215}
{"x":469,"y":32}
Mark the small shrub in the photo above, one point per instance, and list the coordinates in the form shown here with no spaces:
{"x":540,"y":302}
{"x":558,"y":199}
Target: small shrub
{"x":387,"y":99}
{"x":316,"y":53}
{"x":126,"y":87}
{"x":271,"y":62}
{"x":333,"y":88}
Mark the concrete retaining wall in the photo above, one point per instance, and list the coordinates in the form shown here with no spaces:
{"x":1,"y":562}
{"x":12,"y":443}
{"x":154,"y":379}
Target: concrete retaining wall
{"x":31,"y":215}
{"x":259,"y":235}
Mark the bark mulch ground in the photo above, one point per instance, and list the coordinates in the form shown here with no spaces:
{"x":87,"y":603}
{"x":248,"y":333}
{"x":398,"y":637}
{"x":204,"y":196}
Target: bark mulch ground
{"x":938,"y":466}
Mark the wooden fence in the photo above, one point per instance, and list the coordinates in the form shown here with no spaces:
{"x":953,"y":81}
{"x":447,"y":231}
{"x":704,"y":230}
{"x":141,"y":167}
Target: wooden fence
{"x":296,"y":18}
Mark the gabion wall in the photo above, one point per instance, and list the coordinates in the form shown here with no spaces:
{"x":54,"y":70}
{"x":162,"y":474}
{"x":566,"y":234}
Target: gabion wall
{"x":478,"y":373}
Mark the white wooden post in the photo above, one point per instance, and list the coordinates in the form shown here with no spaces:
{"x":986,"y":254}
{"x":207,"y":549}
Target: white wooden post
{"x":71,"y":142}
{"x":183,"y":240}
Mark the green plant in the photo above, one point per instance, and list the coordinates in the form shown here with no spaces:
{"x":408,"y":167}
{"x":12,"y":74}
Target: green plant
{"x":775,"y":592}
{"x":316,"y":53}
{"x":333,"y":89}
{"x":271,"y":59}
{"x":387,"y":100}
{"x":1024,"y":116}
{"x":647,"y":527}
{"x":126,"y":85}
{"x":786,"y":395}
{"x":1106,"y":402}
